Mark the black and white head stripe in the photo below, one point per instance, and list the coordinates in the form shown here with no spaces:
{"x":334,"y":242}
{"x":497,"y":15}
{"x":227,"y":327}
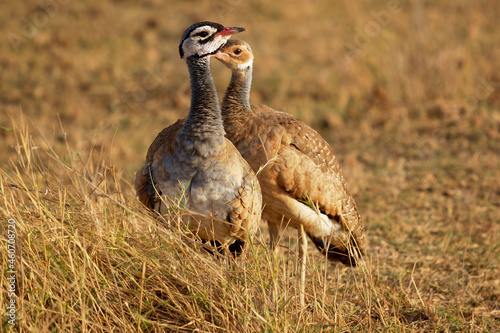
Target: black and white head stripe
{"x":203,"y":30}
{"x":205,"y":38}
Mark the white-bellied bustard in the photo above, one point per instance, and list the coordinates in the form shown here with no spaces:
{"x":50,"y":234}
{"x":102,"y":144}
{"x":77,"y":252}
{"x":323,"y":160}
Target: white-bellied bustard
{"x":192,"y":161}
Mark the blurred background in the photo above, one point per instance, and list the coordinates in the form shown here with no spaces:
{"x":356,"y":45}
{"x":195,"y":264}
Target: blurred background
{"x":406,"y":92}
{"x":111,"y":69}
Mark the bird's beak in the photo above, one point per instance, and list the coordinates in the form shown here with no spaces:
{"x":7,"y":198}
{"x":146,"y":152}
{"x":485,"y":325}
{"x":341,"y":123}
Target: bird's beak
{"x":230,"y":31}
{"x":220,"y":54}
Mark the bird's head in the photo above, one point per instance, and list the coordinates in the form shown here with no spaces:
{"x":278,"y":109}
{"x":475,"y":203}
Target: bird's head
{"x":205,"y":38}
{"x":235,"y":54}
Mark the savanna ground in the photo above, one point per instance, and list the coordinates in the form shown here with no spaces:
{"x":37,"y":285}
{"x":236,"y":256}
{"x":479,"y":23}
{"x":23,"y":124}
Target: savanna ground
{"x":407,"y":93}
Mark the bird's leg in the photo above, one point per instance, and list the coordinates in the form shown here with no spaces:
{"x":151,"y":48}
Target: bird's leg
{"x":302,"y":258}
{"x":275,"y":235}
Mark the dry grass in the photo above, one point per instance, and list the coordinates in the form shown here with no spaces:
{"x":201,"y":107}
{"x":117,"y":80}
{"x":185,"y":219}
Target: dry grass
{"x":412,"y":112}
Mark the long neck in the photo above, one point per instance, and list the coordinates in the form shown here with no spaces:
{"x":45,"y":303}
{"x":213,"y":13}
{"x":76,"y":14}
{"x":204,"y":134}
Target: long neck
{"x":204,"y":123}
{"x":237,"y":97}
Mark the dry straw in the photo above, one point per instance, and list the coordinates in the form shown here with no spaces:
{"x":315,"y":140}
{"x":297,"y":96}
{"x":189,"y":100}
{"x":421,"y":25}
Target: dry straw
{"x":90,"y":258}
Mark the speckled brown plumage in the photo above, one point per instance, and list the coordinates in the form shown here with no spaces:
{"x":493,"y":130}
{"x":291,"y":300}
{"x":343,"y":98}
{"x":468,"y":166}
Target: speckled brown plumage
{"x":191,"y":161}
{"x":302,"y":183}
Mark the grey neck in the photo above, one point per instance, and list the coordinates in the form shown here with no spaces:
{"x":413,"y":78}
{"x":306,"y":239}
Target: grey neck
{"x":237,"y":96}
{"x":204,"y":123}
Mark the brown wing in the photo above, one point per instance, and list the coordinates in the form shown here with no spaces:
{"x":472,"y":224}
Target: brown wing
{"x":245,"y":209}
{"x":165,"y":137}
{"x":261,"y":108}
{"x":144,"y":184}
{"x":308,"y":169}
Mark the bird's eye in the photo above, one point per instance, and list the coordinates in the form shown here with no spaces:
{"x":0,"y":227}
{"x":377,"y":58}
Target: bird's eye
{"x":237,"y":51}
{"x":203,"y":34}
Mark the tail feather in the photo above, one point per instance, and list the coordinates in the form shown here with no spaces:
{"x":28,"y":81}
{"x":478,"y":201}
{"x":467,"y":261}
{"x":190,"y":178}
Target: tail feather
{"x":345,"y":252}
{"x":145,"y":188}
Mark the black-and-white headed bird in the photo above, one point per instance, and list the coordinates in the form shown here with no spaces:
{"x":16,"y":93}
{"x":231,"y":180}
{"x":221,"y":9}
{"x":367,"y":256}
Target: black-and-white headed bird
{"x":191,"y":161}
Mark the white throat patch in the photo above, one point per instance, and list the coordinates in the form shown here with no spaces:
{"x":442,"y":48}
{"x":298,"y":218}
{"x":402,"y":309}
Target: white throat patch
{"x":245,"y":65}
